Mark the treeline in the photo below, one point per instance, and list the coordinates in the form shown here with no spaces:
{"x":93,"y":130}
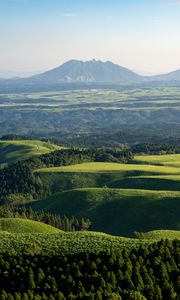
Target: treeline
{"x":146,"y":273}
{"x":156,"y":149}
{"x":64,"y":223}
{"x":75,"y":156}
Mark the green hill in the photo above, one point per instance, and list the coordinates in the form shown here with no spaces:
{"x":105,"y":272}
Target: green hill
{"x":62,"y":181}
{"x":17,"y":225}
{"x":118,"y":211}
{"x":112,"y":175}
{"x":172,"y":160}
{"x":105,"y":167}
{"x":67,"y":242}
{"x":168,"y":183}
{"x":11,"y":151}
{"x":159,"y":234}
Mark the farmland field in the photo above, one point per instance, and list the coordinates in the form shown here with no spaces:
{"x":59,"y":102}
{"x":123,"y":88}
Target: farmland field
{"x":83,"y":111}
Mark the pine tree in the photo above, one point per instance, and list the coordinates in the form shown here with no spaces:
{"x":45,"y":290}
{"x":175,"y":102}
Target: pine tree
{"x":31,"y":282}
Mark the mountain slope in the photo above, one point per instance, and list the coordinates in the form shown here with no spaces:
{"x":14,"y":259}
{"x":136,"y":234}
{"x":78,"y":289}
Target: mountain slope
{"x":172,"y":76}
{"x":88,"y":71}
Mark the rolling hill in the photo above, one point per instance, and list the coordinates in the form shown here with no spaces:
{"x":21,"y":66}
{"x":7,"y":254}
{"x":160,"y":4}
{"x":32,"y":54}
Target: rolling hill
{"x":160,"y":234}
{"x":17,"y":225}
{"x":11,"y":151}
{"x":117,"y":211}
{"x":106,"y":167}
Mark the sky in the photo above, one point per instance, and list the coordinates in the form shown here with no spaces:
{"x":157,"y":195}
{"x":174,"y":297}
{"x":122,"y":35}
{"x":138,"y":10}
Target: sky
{"x":143,"y":35}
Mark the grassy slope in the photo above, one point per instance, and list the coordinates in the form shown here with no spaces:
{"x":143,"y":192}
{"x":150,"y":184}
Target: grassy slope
{"x":118,"y":211}
{"x":172,"y":160}
{"x":16,"y":225}
{"x":11,"y":151}
{"x":114,"y":167}
{"x":168,"y":182}
{"x":61,"y":181}
{"x":141,"y":197}
{"x":162,"y":234}
{"x":112,"y":175}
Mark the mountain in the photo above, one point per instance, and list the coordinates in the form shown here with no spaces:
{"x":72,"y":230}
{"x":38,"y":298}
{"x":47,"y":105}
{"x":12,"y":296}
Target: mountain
{"x":172,"y":76}
{"x":88,"y":71}
{"x":82,"y":74}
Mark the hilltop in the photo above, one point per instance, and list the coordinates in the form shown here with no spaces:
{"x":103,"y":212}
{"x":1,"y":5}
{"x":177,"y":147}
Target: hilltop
{"x":14,"y":150}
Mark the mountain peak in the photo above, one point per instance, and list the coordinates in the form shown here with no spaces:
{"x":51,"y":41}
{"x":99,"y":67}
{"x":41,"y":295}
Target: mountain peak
{"x":89,"y":71}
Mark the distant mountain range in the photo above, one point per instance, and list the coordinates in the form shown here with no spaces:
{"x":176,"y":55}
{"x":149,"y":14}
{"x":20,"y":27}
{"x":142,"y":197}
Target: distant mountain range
{"x":89,"y":72}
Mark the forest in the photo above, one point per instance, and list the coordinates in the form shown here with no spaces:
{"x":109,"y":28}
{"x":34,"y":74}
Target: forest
{"x":146,"y":273}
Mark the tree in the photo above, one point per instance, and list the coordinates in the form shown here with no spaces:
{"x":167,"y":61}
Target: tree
{"x":31,"y":282}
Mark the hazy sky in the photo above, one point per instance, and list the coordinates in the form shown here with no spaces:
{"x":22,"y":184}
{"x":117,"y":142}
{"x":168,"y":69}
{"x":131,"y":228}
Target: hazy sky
{"x":40,"y":34}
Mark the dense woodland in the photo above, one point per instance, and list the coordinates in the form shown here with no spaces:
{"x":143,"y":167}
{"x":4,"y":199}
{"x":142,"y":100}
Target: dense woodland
{"x":75,"y":156}
{"x":138,"y":274}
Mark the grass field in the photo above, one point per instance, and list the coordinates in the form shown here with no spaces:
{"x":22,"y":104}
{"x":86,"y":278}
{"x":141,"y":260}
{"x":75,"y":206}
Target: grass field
{"x":11,"y":151}
{"x":17,"y":225}
{"x":118,"y":211}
